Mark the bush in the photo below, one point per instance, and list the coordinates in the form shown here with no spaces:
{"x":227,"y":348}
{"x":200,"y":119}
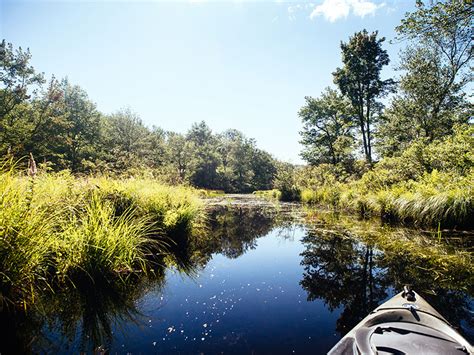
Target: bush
{"x":285,"y":182}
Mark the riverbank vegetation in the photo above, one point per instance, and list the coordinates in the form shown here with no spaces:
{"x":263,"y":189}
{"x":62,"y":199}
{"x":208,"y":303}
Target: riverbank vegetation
{"x":110,"y":194}
{"x":56,"y":228}
{"x":427,"y":184}
{"x":406,"y":159}
{"x":61,"y":126}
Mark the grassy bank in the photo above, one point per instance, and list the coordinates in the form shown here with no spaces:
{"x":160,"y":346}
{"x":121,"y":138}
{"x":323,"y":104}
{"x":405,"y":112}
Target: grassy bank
{"x":435,"y":198}
{"x":55,"y":228}
{"x":428,"y":184}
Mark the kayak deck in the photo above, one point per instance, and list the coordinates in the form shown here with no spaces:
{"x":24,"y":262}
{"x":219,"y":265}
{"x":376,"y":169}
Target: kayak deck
{"x":405,"y":324}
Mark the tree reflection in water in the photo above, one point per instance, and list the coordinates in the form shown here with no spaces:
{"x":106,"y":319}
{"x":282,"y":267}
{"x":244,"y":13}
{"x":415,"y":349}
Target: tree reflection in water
{"x":345,"y":272}
{"x":342,"y":272}
{"x":82,"y":317}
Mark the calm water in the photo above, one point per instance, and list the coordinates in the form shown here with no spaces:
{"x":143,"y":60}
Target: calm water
{"x":261,"y":280}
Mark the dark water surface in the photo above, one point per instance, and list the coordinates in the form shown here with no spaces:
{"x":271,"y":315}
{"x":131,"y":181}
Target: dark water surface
{"x":262,"y":280}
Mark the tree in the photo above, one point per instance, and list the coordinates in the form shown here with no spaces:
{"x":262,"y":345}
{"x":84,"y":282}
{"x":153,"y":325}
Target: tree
{"x":16,"y":77}
{"x":418,"y":111}
{"x":445,"y":26}
{"x":205,"y":157}
{"x":244,"y":167}
{"x":327,"y":128}
{"x":128,"y":140}
{"x":359,"y":80}
{"x":264,"y":170}
{"x":432,"y":96}
{"x":179,"y":152}
{"x":83,"y":127}
{"x":157,"y":146}
{"x":18,"y":81}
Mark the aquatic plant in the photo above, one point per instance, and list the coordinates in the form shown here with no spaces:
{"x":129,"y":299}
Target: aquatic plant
{"x":422,"y":255}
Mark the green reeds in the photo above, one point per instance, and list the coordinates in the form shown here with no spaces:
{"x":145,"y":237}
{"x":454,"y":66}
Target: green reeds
{"x":55,"y":228}
{"x":24,"y":243}
{"x":96,"y":242}
{"x":434,"y":198}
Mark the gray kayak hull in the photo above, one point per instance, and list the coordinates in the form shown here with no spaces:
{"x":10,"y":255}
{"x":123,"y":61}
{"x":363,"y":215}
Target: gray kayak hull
{"x":405,"y":324}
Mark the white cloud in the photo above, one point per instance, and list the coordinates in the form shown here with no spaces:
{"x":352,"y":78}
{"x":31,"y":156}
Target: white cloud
{"x":333,"y":10}
{"x":362,"y":7}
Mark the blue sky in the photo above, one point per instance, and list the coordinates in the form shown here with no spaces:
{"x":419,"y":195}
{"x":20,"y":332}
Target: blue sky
{"x":243,"y":65}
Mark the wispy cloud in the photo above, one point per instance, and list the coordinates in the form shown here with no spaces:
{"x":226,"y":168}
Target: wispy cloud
{"x":333,"y":10}
{"x":294,"y":9}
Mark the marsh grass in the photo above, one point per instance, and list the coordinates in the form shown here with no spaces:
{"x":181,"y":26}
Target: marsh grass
{"x":97,"y":242}
{"x":55,"y":228}
{"x":170,"y":208}
{"x":432,"y":199}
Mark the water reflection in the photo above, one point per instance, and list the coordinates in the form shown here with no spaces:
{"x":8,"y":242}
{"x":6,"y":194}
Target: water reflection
{"x":343,"y":273}
{"x":349,"y":274}
{"x":245,"y":277}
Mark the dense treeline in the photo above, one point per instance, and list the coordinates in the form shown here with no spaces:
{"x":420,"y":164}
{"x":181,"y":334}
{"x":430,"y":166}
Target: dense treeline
{"x":61,"y":126}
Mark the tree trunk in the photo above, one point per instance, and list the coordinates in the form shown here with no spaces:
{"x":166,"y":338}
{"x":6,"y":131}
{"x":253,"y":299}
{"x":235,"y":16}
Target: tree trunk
{"x":369,"y":145}
{"x":362,"y":128}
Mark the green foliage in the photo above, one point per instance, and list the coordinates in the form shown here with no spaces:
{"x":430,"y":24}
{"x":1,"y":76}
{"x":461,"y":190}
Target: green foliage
{"x":428,"y":184}
{"x":17,"y":76}
{"x":359,"y":80}
{"x":285,"y":182}
{"x":327,"y":129}
{"x":127,"y":141}
{"x":436,"y":72}
{"x":55,"y":228}
{"x":63,"y":129}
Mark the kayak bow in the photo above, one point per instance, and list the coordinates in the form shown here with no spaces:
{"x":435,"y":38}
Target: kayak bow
{"x":405,"y":324}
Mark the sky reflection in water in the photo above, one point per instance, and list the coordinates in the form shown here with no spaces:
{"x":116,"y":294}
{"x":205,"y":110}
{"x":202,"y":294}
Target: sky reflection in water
{"x":252,"y":303}
{"x":261,"y":282}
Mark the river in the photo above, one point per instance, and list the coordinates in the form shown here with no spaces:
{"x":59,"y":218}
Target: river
{"x":263,"y":278}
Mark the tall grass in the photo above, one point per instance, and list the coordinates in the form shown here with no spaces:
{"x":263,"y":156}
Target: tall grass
{"x":55,"y":228}
{"x":432,"y":199}
{"x":24,"y":240}
{"x":96,"y":242}
{"x":172,"y":208}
